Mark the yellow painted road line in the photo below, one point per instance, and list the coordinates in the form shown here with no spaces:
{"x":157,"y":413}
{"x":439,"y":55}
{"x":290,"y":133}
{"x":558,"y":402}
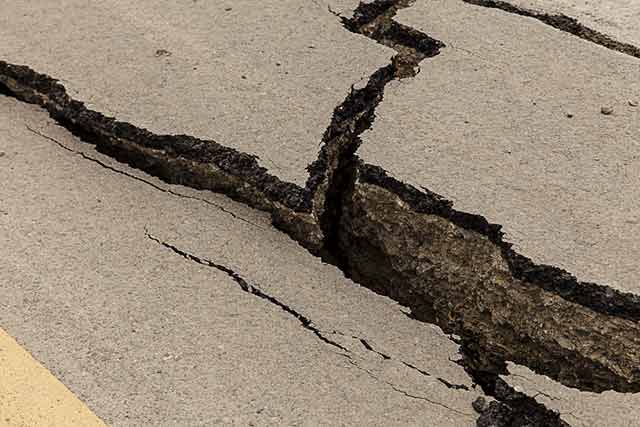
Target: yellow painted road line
{"x":30,"y":396}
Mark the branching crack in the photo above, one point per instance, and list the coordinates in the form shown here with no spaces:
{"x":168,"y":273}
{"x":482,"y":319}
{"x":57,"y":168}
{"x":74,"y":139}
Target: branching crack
{"x":404,"y":392}
{"x":314,"y":217}
{"x":334,"y":173}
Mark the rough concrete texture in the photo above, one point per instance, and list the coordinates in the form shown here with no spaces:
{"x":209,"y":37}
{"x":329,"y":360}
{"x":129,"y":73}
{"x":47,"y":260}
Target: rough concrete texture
{"x":578,"y":409}
{"x":263,"y":79}
{"x":616,"y":18}
{"x":504,"y":131}
{"x":261,"y":334}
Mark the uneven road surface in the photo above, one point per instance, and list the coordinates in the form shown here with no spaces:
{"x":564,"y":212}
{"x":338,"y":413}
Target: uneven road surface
{"x":320,"y":212}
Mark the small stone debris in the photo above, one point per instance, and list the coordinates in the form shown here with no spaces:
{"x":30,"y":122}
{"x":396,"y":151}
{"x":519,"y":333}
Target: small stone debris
{"x":570,"y":115}
{"x":2,"y":153}
{"x":162,"y":52}
{"x":480,"y":405}
{"x":633,"y":103}
{"x":607,"y":111}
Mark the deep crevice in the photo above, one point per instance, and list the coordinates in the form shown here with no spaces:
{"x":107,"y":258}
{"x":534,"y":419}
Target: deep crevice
{"x":336,"y":165}
{"x":563,"y":23}
{"x":5,"y":91}
{"x":105,"y":132}
{"x":175,"y":159}
{"x":599,"y":298}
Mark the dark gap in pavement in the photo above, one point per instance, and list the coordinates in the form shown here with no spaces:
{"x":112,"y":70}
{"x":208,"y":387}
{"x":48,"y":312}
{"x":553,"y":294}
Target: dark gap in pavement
{"x":562,"y":23}
{"x":333,"y":174}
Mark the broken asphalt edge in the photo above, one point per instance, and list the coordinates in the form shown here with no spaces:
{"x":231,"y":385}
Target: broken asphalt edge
{"x":451,"y":268}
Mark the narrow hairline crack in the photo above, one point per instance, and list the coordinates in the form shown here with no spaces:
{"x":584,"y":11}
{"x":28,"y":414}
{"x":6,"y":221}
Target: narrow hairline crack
{"x":406,"y":393}
{"x":251,"y":289}
{"x":385,"y":357}
{"x":137,"y":178}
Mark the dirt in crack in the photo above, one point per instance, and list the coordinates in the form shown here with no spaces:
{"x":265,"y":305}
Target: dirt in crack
{"x":375,"y":21}
{"x":334,"y":173}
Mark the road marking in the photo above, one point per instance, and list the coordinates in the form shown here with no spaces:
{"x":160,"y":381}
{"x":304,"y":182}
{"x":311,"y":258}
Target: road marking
{"x":30,"y":396}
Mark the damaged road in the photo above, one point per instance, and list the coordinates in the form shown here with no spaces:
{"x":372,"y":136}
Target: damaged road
{"x":151,"y":334}
{"x":452,"y":268}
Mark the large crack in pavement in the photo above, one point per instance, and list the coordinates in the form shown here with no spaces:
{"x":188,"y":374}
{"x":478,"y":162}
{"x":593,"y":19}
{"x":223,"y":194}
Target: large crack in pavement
{"x":451,"y":268}
{"x":176,"y":159}
{"x":332,"y":175}
{"x":563,"y":23}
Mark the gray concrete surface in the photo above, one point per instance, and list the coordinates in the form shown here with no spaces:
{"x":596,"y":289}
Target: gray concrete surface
{"x":147,"y":337}
{"x":507,"y":123}
{"x":616,"y":18}
{"x":260,"y":77}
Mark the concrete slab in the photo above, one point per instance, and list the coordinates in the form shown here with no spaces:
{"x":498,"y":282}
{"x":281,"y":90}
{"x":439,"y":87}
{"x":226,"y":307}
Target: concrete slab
{"x":616,"y":18}
{"x":147,"y":336}
{"x":508,"y":122}
{"x":262,"y":77}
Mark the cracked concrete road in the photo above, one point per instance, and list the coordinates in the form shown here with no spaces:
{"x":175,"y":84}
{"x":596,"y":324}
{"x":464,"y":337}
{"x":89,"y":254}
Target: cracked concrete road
{"x":145,"y":336}
{"x":507,"y":123}
{"x":263,"y":79}
{"x":161,"y":305}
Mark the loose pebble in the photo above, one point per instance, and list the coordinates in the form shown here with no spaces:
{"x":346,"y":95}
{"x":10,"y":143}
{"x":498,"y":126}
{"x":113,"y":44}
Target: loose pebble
{"x":162,"y":52}
{"x":607,"y":111}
